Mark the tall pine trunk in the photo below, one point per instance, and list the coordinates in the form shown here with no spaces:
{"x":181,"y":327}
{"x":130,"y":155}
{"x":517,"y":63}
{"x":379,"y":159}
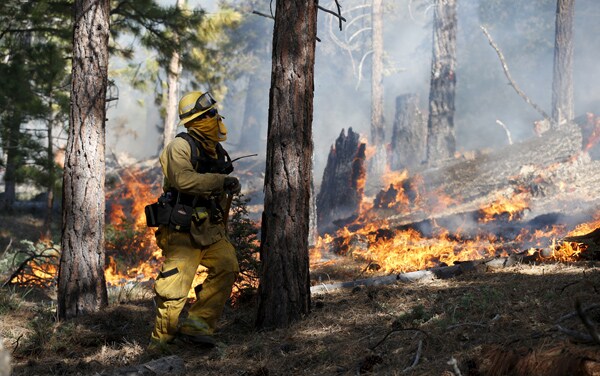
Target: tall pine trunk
{"x":377,"y":127}
{"x":284,"y":291}
{"x":440,"y":126}
{"x":50,"y":183}
{"x":81,"y":281}
{"x":250,"y":139}
{"x":172,"y":110}
{"x":562,"y":82}
{"x":13,"y":159}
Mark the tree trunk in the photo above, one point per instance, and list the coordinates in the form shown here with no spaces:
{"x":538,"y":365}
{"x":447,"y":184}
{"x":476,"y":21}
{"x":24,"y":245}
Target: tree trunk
{"x":377,"y":126}
{"x":284,"y":291}
{"x":81,"y":281}
{"x":14,"y":117}
{"x":440,"y":138}
{"x":562,"y":80}
{"x":13,"y":160}
{"x":172,"y":110}
{"x":51,"y":177}
{"x":378,"y":162}
{"x":409,"y":135}
{"x":251,"y":137}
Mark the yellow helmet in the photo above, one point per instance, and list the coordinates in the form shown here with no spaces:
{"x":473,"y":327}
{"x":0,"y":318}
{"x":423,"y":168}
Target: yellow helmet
{"x":194,"y":104}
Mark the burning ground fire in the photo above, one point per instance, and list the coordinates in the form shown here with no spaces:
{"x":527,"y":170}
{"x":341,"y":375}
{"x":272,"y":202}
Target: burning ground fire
{"x":399,"y":249}
{"x":388,"y":248}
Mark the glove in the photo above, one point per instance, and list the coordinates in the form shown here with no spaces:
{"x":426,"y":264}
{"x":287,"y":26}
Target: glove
{"x":232,"y":185}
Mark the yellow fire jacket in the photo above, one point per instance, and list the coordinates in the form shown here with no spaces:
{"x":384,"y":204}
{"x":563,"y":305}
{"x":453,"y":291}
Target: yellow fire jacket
{"x":179,"y":173}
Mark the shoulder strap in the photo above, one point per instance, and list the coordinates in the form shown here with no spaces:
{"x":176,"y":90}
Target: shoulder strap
{"x":224,"y":160}
{"x":194,"y":146}
{"x":202,"y":163}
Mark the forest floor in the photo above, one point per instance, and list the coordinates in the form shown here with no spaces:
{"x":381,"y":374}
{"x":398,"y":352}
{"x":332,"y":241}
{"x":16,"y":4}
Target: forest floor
{"x":501,"y":322}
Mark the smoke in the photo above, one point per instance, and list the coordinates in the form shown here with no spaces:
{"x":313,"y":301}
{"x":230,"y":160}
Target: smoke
{"x":524,"y":31}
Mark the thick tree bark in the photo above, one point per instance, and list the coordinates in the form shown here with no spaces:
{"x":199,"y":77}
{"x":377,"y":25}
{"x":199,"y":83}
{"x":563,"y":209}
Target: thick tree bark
{"x":81,"y":281}
{"x":172,"y":110}
{"x":440,"y":139}
{"x":562,"y":80}
{"x":409,"y":135}
{"x":284,"y":291}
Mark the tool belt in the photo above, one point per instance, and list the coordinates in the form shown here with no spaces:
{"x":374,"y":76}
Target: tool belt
{"x":179,"y":210}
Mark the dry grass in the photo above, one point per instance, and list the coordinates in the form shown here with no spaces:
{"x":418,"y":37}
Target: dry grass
{"x":506,"y":317}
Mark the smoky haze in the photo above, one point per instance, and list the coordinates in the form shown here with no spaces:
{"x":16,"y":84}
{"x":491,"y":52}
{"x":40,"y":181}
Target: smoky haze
{"x":524,"y":31}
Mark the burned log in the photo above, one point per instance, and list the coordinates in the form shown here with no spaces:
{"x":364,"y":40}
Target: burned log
{"x":343,"y":181}
{"x":409,"y":134}
{"x":441,"y":272}
{"x":538,"y":167}
{"x":470,"y":179}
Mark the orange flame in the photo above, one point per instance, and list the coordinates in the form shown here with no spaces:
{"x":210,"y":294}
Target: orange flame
{"x":513,"y":207}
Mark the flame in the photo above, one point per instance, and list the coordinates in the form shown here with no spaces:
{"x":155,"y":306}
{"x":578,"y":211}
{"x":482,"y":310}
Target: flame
{"x":593,"y":122}
{"x":400,"y":250}
{"x":131,"y":250}
{"x":512,"y":206}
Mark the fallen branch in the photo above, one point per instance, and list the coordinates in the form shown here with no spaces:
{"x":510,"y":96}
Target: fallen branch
{"x":7,"y":247}
{"x":442,"y":272}
{"x":575,"y":313}
{"x":394,"y":331}
{"x":510,"y":79}
{"x":417,"y":357}
{"x":169,"y":365}
{"x":452,"y":362}
{"x":587,"y":322}
{"x":582,"y":337}
{"x":33,"y":256}
{"x":465,"y":324}
{"x":510,"y":141}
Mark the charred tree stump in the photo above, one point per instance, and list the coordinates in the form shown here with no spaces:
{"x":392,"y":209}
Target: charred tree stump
{"x":409,"y":134}
{"x":343,"y":181}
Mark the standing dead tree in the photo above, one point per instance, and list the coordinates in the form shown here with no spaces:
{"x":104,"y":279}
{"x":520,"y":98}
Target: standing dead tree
{"x":441,"y":143}
{"x":409,"y":134}
{"x":562,"y":80}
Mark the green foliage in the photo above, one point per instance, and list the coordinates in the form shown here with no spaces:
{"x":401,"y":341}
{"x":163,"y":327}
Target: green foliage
{"x":163,"y":30}
{"x":243,"y":235}
{"x":217,"y":59}
{"x":417,"y":315}
{"x":35,"y":49}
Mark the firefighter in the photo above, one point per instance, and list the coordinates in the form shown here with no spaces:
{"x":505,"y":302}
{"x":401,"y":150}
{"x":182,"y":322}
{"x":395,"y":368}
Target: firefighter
{"x":195,"y":176}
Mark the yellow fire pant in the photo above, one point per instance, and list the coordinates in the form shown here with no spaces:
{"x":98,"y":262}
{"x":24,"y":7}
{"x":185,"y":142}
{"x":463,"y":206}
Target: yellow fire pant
{"x":182,"y":258}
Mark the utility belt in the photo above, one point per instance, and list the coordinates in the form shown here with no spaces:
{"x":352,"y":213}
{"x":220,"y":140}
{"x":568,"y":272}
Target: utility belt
{"x":179,"y":210}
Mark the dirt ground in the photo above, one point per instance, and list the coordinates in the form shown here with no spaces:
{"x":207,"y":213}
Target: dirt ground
{"x":491,"y":323}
